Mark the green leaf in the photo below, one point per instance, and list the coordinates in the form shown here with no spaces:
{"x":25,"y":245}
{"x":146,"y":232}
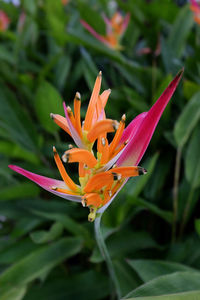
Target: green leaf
{"x":180,"y":30}
{"x":178,"y":282}
{"x":43,"y":236}
{"x":197,"y":226}
{"x":149,"y":269}
{"x":165,"y":215}
{"x":88,"y":285}
{"x":192,"y":159}
{"x":19,"y":190}
{"x":190,"y":88}
{"x":36,"y":263}
{"x":14,"y":294}
{"x":15,"y":151}
{"x":187,"y":120}
{"x":92,"y":17}
{"x":180,"y":296}
{"x":15,"y":121}
{"x":47,"y":101}
{"x":136,"y":186}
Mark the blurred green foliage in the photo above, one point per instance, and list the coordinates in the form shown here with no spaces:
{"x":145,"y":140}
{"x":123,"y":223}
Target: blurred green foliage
{"x":152,"y":229}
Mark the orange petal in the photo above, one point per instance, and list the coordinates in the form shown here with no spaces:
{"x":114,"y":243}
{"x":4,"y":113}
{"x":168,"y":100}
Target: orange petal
{"x":92,"y":103}
{"x":101,"y":128}
{"x":98,"y":181}
{"x":103,"y":148}
{"x":118,"y":135}
{"x":128,"y":171}
{"x":81,"y":156}
{"x":61,"y":122}
{"x":64,"y":191}
{"x":71,"y":115}
{"x":77,"y":116}
{"x":92,"y":199}
{"x":69,"y":182}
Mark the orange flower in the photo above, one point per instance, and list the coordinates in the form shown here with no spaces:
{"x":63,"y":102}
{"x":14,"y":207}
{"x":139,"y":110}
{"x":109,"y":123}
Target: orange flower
{"x":115,"y":28}
{"x":4,"y":21}
{"x":104,"y":165}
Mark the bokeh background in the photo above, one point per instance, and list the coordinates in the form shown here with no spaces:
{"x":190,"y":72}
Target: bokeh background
{"x":152,"y":229}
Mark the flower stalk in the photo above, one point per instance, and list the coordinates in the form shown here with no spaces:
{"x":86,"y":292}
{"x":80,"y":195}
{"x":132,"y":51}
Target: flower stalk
{"x":104,"y":252}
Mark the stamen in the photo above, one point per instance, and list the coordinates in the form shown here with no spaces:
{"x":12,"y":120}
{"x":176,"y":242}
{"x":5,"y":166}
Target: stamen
{"x":69,"y":182}
{"x":61,"y":122}
{"x":77,"y":116}
{"x":81,"y":156}
{"x":92,"y":103}
{"x":118,"y":135}
{"x":101,"y":128}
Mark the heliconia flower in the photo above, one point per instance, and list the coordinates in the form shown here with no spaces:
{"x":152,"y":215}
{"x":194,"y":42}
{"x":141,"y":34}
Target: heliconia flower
{"x":115,"y":28}
{"x":4,"y":21}
{"x":102,"y":171}
{"x":195,"y":7}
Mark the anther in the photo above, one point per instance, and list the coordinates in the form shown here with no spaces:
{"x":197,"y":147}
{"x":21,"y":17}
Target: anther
{"x":70,"y":146}
{"x":54,"y":188}
{"x":115,"y":125}
{"x":100,"y":73}
{"x":142,"y":171}
{"x":65,"y":157}
{"x":123,"y":119}
{"x":78,"y":96}
{"x":116,"y":176}
{"x":69,"y":110}
{"x":84,"y":202}
{"x":103,"y":141}
{"x":54,"y":149}
{"x":110,"y":193}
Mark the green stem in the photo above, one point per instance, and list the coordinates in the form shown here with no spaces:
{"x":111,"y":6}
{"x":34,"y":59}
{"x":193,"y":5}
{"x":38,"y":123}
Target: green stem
{"x":175,"y":192}
{"x":105,"y":254}
{"x":186,"y":211}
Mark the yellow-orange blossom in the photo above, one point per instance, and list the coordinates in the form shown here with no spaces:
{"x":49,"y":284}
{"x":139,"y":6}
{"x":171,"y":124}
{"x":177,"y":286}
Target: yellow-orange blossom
{"x":97,"y":185}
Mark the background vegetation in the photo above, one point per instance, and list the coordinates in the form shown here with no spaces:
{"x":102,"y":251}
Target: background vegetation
{"x":47,"y":246}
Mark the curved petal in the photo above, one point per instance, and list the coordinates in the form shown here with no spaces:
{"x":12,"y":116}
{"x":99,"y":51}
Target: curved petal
{"x":132,"y":128}
{"x":46,"y":183}
{"x":73,"y":131}
{"x":138,"y":144}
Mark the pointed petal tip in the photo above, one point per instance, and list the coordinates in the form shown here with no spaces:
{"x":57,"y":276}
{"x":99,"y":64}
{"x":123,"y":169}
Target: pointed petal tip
{"x":52,"y":116}
{"x":78,"y":96}
{"x":142,"y":171}
{"x":180,"y":73}
{"x":100,"y":73}
{"x":54,"y":149}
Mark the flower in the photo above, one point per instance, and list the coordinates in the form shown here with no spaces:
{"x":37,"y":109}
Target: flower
{"x":195,"y":7}
{"x":101,"y":176}
{"x":115,"y":28}
{"x":4,"y":21}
